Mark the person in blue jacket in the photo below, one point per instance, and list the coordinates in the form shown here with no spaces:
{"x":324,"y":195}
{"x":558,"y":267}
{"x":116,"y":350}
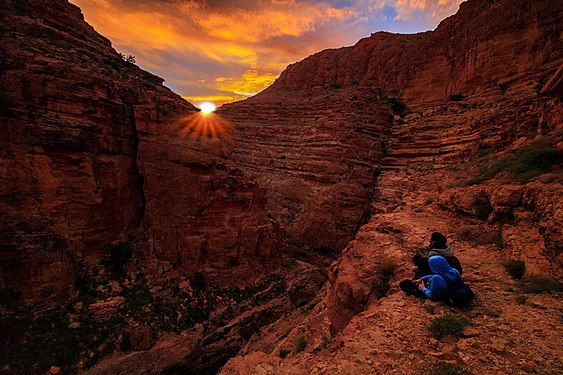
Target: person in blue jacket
{"x":433,"y":286}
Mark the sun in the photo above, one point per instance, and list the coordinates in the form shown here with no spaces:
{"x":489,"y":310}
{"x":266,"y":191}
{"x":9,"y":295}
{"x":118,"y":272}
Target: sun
{"x":207,"y":107}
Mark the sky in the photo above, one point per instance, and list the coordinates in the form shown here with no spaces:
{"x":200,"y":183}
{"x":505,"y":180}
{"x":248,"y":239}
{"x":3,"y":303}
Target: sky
{"x":226,"y":50}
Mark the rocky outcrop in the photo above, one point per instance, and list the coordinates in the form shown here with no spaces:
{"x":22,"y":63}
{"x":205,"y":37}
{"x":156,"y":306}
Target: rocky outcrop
{"x":462,"y":56}
{"x":389,"y":333}
{"x":436,"y":175}
{"x":94,"y":153}
{"x":316,"y":156}
{"x":402,"y":127}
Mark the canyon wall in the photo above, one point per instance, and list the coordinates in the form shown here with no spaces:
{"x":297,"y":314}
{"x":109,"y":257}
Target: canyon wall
{"x":95,"y":158}
{"x":487,"y":48}
{"x":341,"y":152}
{"x":482,"y":92}
{"x":93,"y":154}
{"x":317,"y":157}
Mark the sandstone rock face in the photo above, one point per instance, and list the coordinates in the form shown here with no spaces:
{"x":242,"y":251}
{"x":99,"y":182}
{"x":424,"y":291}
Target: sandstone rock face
{"x":429,"y":181}
{"x":69,"y":184}
{"x":316,"y":156}
{"x":98,"y":151}
{"x":94,"y":152}
{"x":203,"y":213}
{"x":462,"y":55}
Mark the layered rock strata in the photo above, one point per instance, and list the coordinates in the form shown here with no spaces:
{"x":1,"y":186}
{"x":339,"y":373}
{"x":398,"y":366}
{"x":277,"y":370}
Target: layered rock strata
{"x":94,"y":152}
{"x":98,"y":151}
{"x":317,"y":156}
{"x":464,"y":55}
{"x":432,"y":179}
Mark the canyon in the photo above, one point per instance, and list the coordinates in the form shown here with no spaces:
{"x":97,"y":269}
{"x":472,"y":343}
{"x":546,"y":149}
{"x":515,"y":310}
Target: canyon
{"x":305,"y":197}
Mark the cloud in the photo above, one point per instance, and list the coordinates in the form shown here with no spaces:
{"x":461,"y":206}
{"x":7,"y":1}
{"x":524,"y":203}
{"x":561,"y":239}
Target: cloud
{"x":288,"y":18}
{"x":433,"y":9}
{"x":228,"y":49}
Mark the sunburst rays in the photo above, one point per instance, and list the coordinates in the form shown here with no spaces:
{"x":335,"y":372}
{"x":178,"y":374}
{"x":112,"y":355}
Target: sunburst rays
{"x":204,"y":126}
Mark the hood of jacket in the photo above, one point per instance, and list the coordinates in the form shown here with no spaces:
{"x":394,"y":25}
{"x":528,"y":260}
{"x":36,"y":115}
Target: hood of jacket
{"x":439,"y":265}
{"x":446,"y":253}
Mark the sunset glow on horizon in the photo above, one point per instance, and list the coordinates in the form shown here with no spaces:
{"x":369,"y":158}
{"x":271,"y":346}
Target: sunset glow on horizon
{"x":207,"y":107}
{"x":227,"y":50}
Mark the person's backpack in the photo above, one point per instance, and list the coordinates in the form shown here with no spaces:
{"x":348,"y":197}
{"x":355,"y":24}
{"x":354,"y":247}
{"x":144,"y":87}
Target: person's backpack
{"x":459,"y":294}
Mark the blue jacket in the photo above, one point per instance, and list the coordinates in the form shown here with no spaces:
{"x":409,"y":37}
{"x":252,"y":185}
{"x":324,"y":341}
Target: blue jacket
{"x":435,"y":285}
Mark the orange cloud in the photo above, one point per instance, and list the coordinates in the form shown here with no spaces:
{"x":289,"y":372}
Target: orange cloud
{"x":260,"y":25}
{"x":437,"y":9}
{"x":249,"y":84}
{"x":225,"y":50}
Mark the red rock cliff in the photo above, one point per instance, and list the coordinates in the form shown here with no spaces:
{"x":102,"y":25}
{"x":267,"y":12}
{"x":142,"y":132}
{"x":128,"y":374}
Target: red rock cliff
{"x":92,"y":154}
{"x":476,"y":50}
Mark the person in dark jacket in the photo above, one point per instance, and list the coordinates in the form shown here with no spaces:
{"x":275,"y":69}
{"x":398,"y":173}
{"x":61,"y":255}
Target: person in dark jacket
{"x":438,"y":246}
{"x":433,"y":286}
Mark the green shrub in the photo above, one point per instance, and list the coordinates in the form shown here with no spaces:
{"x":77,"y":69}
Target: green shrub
{"x":384,"y":271}
{"x":447,"y":324}
{"x":457,"y":97}
{"x":539,"y":284}
{"x":525,"y":164}
{"x":446,"y":368}
{"x":520,"y":299}
{"x":397,"y":106}
{"x":300,"y":345}
{"x":516,"y":268}
{"x":478,"y":236}
{"x":119,"y":255}
{"x":129,"y":58}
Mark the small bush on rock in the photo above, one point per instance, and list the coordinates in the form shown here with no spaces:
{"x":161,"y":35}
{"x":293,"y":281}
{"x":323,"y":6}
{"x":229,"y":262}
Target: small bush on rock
{"x":447,"y":324}
{"x":446,"y":368}
{"x":527,"y":163}
{"x":539,"y":284}
{"x":516,"y":268}
{"x":478,"y":236}
{"x":384,"y":270}
{"x":300,"y":345}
